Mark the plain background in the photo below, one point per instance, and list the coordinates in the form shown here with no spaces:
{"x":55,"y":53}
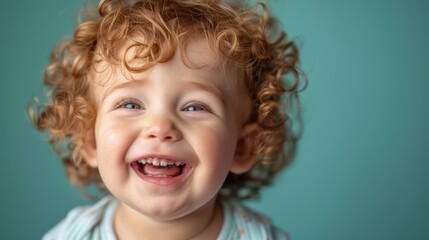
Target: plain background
{"x":363,"y":162}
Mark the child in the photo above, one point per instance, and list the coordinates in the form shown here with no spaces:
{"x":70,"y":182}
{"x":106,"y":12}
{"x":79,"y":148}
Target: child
{"x":174,"y":110}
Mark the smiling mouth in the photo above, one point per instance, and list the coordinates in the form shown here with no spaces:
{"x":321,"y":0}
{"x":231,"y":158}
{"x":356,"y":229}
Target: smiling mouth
{"x":159,"y":168}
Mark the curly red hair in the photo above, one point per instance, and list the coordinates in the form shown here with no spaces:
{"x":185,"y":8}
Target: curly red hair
{"x":243,"y":37}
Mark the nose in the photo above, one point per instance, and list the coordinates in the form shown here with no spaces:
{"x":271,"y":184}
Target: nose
{"x":162,"y":129}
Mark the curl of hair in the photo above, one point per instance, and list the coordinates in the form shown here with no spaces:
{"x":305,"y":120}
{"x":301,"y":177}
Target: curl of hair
{"x":241,"y":35}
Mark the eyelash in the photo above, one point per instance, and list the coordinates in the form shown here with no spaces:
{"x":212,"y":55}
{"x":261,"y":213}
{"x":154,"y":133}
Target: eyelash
{"x":194,"y":107}
{"x":136,"y":105}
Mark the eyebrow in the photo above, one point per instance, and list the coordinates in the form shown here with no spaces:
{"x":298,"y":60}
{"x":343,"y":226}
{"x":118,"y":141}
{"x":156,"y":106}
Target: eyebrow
{"x":212,"y":89}
{"x":117,"y":87}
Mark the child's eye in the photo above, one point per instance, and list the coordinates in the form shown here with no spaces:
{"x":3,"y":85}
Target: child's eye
{"x":192,"y":108}
{"x":130,"y":104}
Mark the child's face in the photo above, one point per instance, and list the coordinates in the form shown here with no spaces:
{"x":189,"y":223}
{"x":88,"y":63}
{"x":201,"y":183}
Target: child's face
{"x":188,"y":119}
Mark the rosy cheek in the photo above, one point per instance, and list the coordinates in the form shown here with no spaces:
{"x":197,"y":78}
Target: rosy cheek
{"x":110,"y":156}
{"x":111,"y":138}
{"x":108,"y":133}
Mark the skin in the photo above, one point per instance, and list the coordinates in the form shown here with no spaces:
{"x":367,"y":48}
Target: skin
{"x":177,"y":113}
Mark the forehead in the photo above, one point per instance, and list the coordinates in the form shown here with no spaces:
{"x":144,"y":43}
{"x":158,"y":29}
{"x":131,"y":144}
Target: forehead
{"x":134,"y":57}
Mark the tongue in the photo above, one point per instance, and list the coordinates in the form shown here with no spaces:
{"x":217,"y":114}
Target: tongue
{"x":158,"y":171}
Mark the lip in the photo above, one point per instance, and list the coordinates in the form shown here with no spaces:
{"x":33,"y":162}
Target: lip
{"x":163,"y":181}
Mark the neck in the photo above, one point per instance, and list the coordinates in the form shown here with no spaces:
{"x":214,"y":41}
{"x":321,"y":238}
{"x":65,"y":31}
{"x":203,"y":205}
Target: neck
{"x":204,"y":223}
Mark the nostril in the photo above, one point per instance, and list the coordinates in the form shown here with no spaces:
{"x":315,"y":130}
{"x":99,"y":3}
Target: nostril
{"x":162,"y":132}
{"x":161,"y":137}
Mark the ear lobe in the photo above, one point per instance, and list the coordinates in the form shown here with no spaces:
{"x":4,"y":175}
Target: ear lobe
{"x":244,"y":156}
{"x":88,"y":150}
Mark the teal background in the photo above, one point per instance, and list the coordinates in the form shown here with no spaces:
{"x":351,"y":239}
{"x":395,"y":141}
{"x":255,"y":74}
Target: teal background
{"x":362,"y":167}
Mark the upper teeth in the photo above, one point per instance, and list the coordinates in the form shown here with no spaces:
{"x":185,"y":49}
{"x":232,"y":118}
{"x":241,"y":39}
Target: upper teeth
{"x":159,"y":162}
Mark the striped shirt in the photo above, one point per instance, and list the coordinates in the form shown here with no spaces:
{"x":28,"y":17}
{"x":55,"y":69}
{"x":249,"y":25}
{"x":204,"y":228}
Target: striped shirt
{"x":96,"y":222}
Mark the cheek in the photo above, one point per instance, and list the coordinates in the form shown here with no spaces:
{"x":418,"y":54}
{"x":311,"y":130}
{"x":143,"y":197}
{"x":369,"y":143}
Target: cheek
{"x":215,"y":155}
{"x":110,"y":138}
{"x":216,"y":150}
{"x":105,"y":150}
{"x":112,"y":146}
{"x":112,"y":143}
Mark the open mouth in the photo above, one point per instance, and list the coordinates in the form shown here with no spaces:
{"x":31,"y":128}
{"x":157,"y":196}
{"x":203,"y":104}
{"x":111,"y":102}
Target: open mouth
{"x":159,"y":168}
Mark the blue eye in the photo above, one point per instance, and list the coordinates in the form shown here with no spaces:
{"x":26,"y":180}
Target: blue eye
{"x":131,"y":106}
{"x":193,"y":108}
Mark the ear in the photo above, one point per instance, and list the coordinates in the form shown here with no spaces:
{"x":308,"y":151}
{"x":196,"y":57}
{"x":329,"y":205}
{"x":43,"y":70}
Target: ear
{"x":88,"y":150}
{"x":244,"y":156}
